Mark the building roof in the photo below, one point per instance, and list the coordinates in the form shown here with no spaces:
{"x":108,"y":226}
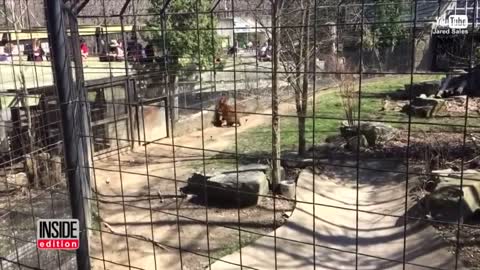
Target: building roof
{"x":41,"y":33}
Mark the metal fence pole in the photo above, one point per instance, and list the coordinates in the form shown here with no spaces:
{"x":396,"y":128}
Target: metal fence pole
{"x":71,"y":118}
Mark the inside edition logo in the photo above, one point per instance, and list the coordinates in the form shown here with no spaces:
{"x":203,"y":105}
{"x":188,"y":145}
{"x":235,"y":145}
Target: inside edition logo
{"x":58,"y":234}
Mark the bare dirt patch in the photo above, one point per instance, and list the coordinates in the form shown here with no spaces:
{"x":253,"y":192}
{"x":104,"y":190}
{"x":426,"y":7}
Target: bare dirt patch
{"x":468,"y":242}
{"x":175,"y":220}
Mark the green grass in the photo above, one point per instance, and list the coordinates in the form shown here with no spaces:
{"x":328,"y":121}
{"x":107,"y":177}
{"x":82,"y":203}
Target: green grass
{"x":329,"y":114}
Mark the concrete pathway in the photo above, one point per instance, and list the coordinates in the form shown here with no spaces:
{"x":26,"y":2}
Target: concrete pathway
{"x":381,"y":200}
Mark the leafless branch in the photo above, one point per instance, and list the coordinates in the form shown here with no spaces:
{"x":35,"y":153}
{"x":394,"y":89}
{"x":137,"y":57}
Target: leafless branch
{"x":136,"y":236}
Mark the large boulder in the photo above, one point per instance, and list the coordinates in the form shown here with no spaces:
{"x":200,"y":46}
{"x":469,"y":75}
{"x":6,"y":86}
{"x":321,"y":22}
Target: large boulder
{"x":465,"y":84}
{"x":376,"y":133}
{"x":425,"y":88}
{"x":348,"y":129}
{"x":266,"y":169}
{"x":291,"y":159}
{"x":443,"y":201}
{"x":323,"y":150}
{"x":355,"y":142}
{"x":223,"y":188}
{"x":426,"y":107}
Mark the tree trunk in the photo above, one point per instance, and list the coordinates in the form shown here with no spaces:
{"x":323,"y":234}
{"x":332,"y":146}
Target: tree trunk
{"x":302,"y":142}
{"x":86,"y":159}
{"x":173,"y":84}
{"x":275,"y":101}
{"x":31,"y":163}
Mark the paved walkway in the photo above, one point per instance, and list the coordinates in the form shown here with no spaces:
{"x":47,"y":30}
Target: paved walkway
{"x":380,"y":236}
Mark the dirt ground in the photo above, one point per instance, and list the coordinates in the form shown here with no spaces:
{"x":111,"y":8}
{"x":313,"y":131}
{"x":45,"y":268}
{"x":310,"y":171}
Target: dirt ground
{"x":146,"y":193}
{"x":469,"y":241}
{"x":138,"y":194}
{"x":449,"y":152}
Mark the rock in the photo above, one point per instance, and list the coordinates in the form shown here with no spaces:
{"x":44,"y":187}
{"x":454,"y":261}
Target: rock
{"x":426,"y":107}
{"x":465,"y":84}
{"x":266,"y":169}
{"x":251,"y":167}
{"x":14,"y":182}
{"x":259,"y":167}
{"x":348,"y":130}
{"x":422,"y":112}
{"x":352,"y":143}
{"x":335,"y":139}
{"x":222,"y":188}
{"x":453,"y":173}
{"x":377,"y":132}
{"x":423,"y":88}
{"x":293,"y":160}
{"x":443,"y":201}
{"x":444,"y":172}
{"x":322,"y":150}
{"x":374,"y":132}
{"x":419,"y":101}
{"x":287,"y":189}
{"x":20,"y":179}
{"x":461,"y":99}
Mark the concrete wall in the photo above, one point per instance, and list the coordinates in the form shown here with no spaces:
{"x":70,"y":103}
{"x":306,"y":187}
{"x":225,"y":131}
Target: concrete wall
{"x":155,"y":120}
{"x":118,"y":130}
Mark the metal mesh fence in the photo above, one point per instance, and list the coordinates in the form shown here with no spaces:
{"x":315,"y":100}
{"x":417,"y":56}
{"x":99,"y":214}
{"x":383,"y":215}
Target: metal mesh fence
{"x":241,"y":134}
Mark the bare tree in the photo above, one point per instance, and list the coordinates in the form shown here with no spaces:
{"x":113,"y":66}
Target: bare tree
{"x":16,"y":14}
{"x":298,"y":49}
{"x":110,"y":8}
{"x":259,"y":10}
{"x":21,"y":14}
{"x":276,"y":12}
{"x":296,"y":54}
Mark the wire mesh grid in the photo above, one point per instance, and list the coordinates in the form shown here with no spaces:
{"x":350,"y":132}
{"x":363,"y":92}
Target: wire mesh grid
{"x":241,"y":134}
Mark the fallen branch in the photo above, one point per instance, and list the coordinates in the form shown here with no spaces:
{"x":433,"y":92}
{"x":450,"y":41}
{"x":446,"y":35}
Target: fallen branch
{"x":136,"y":236}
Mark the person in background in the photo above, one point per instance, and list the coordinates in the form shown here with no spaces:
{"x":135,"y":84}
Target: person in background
{"x":234,"y":49}
{"x":28,"y":51}
{"x":115,"y":52}
{"x":250,"y":45}
{"x":83,"y":49}
{"x":103,"y":47}
{"x":38,"y":52}
{"x":134,"y":49}
{"x":6,"y":56}
{"x":120,"y":51}
{"x":149,"y":53}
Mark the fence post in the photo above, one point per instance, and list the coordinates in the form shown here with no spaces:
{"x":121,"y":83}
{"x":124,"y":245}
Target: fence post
{"x":71,"y":116}
{"x":83,"y":121}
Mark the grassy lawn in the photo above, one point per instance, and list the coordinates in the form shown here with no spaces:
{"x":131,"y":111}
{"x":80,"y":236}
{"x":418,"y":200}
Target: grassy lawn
{"x":329,"y":114}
